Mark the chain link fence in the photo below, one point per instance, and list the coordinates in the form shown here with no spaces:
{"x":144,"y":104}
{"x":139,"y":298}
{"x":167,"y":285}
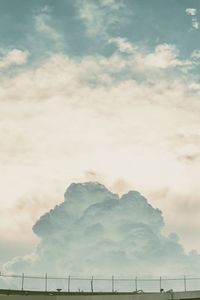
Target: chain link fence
{"x":92,"y":284}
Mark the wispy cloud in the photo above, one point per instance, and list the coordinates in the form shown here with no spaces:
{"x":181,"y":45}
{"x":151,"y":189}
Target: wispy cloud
{"x":100,"y":17}
{"x":43,"y":26}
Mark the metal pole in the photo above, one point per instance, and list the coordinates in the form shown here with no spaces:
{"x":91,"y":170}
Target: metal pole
{"x":160,"y":284}
{"x":22,"y":281}
{"x":185,"y":288}
{"x":92,"y":287}
{"x":136,"y":284}
{"x":69,"y":284}
{"x":113,"y":287}
{"x":46,"y":282}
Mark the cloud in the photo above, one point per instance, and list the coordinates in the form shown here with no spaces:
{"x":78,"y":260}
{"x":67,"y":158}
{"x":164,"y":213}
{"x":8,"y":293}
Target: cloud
{"x":12,"y":248}
{"x":183,"y":204}
{"x":196,"y":54}
{"x":195,"y":24}
{"x":122,"y":44}
{"x":60,"y":118}
{"x":97,"y":232}
{"x":120,"y":186}
{"x":193,"y":13}
{"x":190,"y":153}
{"x":100,"y":17}
{"x":165,"y":56}
{"x":14,"y":57}
{"x":43,"y":26}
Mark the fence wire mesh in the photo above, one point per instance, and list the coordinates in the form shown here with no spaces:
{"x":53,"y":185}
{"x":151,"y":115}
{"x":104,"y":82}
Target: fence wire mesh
{"x":98,"y":284}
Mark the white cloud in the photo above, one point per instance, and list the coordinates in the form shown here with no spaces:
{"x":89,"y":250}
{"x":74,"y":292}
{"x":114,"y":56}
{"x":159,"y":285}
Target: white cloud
{"x":61,"y":118}
{"x":123,"y":44}
{"x":165,"y":56}
{"x":14,"y":57}
{"x":195,"y":23}
{"x":191,"y":11}
{"x":121,"y":234}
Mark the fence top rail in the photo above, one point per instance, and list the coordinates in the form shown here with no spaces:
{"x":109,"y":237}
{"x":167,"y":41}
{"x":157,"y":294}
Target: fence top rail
{"x":99,"y":278}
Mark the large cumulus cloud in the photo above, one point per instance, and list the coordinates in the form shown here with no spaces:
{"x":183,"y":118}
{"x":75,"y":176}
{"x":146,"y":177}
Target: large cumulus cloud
{"x":97,"y":232}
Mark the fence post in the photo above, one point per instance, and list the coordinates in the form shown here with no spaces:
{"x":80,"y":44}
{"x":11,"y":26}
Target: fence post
{"x":69,"y":284}
{"x":113,"y":287}
{"x":46,"y":282}
{"x":160,"y":284}
{"x":185,"y":288}
{"x":92,"y":287}
{"x":136,"y":284}
{"x":22,"y":281}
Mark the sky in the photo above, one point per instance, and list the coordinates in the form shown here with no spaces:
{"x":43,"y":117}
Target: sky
{"x":103,"y":91}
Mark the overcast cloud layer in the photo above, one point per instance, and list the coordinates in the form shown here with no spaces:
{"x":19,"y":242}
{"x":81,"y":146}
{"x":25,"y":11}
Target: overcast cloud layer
{"x":85,"y":95}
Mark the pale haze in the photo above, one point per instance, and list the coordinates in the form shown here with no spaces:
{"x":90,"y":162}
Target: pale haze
{"x":100,"y":91}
